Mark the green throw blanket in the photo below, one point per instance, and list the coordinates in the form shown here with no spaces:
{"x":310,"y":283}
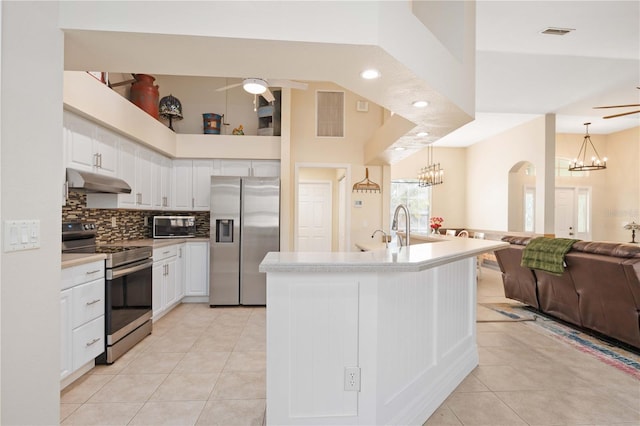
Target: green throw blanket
{"x":546,"y":254}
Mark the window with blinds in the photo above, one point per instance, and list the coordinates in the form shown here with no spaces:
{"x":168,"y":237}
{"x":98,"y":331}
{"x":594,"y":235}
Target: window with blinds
{"x":330,"y":114}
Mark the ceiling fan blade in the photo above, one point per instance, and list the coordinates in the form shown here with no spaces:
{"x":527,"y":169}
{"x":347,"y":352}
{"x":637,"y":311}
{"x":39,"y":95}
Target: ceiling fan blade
{"x":620,"y":115}
{"x":231,"y":86}
{"x":287,"y":83}
{"x":617,"y":106}
{"x":268,"y":95}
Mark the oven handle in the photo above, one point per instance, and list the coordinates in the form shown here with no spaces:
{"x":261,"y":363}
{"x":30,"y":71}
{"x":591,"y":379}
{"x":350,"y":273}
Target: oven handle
{"x":116,"y":273}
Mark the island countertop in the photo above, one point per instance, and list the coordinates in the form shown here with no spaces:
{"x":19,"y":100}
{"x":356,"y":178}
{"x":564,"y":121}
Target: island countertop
{"x":413,"y":258}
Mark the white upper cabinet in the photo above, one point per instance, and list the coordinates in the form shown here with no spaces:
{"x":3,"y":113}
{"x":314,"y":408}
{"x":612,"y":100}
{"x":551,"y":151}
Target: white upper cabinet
{"x":191,"y":184}
{"x":106,"y":148}
{"x":235,"y":167}
{"x":144,"y":178}
{"x":202,"y":172}
{"x":262,"y":168}
{"x":127,"y":172}
{"x":89,"y":147}
{"x":162,"y":168}
{"x":182,"y":184}
{"x":265,"y":168}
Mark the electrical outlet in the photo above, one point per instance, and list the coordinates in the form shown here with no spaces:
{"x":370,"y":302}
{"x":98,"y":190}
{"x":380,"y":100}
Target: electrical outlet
{"x":352,"y":379}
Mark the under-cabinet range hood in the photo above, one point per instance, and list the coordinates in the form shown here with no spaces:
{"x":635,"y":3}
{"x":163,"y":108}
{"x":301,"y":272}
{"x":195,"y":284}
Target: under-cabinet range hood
{"x":93,"y":182}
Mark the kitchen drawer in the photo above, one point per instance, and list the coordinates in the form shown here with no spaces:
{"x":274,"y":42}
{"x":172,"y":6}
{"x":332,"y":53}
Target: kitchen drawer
{"x":165,"y":252}
{"x":88,"y":302}
{"x":82,"y":274}
{"x":88,"y":342}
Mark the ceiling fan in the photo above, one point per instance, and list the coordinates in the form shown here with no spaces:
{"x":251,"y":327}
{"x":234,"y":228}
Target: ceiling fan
{"x":260,"y":86}
{"x":620,"y":106}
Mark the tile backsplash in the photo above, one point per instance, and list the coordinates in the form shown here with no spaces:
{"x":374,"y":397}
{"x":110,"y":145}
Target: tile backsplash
{"x":129,"y":223}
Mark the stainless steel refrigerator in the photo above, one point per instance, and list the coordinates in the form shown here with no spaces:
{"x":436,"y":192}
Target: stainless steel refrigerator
{"x":245,"y":226}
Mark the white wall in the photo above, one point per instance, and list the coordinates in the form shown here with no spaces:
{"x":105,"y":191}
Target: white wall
{"x":488,"y":165}
{"x":360,"y":126}
{"x":622,"y":197}
{"x":31,"y":136}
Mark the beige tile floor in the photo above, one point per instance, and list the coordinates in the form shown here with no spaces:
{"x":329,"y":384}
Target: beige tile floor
{"x":205,"y":366}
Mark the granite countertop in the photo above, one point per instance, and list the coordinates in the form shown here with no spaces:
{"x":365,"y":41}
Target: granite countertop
{"x":160,"y":242}
{"x":416,"y":257}
{"x":75,"y":259}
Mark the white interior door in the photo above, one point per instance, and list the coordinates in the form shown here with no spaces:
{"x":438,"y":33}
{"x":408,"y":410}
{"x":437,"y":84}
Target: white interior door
{"x":342,"y":215}
{"x":314,"y":216}
{"x":573,"y":213}
{"x":564,"y":216}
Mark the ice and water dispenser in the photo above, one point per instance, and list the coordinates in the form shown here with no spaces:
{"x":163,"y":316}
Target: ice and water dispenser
{"x":224,"y":230}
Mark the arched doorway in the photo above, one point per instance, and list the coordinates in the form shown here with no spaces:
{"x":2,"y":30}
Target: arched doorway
{"x":522,"y":197}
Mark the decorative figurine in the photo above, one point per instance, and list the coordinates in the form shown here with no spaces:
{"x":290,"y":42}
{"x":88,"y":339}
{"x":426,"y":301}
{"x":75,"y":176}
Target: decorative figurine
{"x":238,"y":130}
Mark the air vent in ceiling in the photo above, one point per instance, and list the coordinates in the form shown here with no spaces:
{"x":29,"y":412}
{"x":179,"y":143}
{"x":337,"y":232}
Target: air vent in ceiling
{"x":557,"y":31}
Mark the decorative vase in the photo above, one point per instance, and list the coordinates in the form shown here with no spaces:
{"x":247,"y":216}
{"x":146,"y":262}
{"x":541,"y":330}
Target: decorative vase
{"x":145,"y":95}
{"x":434,"y":231}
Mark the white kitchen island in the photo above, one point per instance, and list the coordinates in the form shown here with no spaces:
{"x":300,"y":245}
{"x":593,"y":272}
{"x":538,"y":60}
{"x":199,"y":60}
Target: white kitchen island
{"x":403,"y":319}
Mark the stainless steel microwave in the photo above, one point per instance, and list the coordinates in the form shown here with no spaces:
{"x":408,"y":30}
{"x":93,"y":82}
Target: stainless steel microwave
{"x":174,"y":226}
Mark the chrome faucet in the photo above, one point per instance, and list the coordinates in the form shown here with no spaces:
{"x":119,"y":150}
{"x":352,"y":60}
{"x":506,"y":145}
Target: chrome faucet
{"x":384,"y":234}
{"x":407,"y":223}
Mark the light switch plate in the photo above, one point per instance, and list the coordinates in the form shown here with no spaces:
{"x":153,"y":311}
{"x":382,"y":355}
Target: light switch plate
{"x":21,"y":235}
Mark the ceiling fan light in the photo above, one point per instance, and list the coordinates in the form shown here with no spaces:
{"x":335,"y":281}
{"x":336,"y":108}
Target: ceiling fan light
{"x":255,"y":86}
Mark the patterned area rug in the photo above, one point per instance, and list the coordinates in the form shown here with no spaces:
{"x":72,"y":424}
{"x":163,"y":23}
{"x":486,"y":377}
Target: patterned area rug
{"x":606,"y":352}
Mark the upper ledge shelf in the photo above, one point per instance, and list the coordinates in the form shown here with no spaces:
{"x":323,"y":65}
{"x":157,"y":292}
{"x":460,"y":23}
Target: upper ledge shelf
{"x":228,"y":146}
{"x":85,"y":95}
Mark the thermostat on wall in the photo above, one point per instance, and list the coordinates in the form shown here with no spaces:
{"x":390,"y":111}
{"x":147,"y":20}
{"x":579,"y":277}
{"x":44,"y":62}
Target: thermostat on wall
{"x":357,"y":203}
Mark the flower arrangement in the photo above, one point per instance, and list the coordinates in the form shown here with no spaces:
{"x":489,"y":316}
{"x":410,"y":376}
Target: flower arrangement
{"x":436,"y":223}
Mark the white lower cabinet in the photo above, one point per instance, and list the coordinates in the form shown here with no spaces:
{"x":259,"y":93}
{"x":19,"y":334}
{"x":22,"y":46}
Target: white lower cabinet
{"x":81,"y":317}
{"x":66,"y":330}
{"x":197,"y":269}
{"x":181,"y":270}
{"x":164,"y":291}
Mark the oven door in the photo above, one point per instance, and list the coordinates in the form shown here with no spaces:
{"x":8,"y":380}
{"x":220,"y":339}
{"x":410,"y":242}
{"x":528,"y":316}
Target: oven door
{"x":128,"y":299}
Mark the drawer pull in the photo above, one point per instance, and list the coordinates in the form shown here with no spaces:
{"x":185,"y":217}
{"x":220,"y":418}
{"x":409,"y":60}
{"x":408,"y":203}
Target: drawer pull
{"x":93,"y":302}
{"x":97,"y":339}
{"x":94,"y":272}
{"x":166,"y":252}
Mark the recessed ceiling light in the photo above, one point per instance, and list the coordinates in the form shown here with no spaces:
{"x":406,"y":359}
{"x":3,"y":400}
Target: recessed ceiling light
{"x":422,"y":134}
{"x":370,"y":74}
{"x":399,"y":148}
{"x":420,"y":104}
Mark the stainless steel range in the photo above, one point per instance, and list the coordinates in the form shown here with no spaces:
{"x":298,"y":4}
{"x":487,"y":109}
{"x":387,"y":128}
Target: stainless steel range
{"x":128,"y":286}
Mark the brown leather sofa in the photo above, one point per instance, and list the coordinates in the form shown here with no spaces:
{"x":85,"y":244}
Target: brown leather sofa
{"x":599,"y":289}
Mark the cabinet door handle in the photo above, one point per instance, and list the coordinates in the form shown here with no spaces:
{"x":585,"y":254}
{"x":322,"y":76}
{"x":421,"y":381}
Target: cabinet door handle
{"x":94,"y":272}
{"x":66,"y":189}
{"x":100,"y":160}
{"x":94,"y":341}
{"x":193,"y":202}
{"x":166,"y":252}
{"x":93,"y":302}
{"x":95,"y":160}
